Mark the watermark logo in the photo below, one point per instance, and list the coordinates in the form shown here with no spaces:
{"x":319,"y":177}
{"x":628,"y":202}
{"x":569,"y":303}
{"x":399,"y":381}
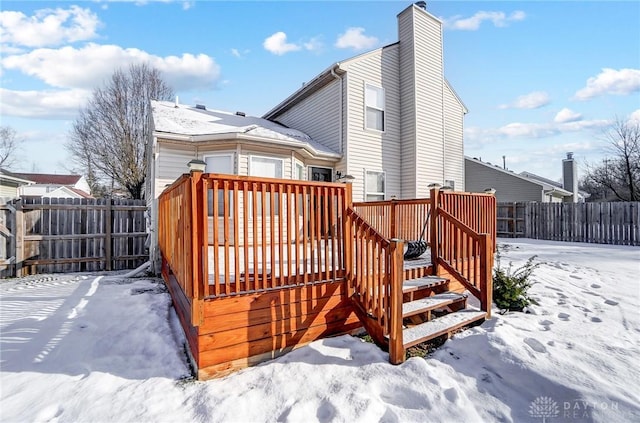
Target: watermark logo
{"x":544,"y":407}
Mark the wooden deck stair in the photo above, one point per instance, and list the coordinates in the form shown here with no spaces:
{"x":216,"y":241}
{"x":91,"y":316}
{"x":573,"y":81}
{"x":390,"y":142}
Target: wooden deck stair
{"x":429,"y":310}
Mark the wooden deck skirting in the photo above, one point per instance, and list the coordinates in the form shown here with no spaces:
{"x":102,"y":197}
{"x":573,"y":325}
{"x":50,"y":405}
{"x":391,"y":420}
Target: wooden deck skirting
{"x":257,"y":267}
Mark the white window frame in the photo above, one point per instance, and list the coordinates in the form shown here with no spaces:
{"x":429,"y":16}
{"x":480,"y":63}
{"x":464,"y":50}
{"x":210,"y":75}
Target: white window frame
{"x":281,"y":176}
{"x":366,"y":188}
{"x":383,"y":109}
{"x":299,"y":165}
{"x":255,"y":156}
{"x":229,"y":155}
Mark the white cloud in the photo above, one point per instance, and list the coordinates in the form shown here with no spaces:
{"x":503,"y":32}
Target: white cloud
{"x":314,"y":44}
{"x":277,"y":44}
{"x":239,"y":54}
{"x":635,"y":116}
{"x":354,"y":38}
{"x":48,"y":27}
{"x":610,"y":81}
{"x":89,"y":66}
{"x":499,"y":19}
{"x":567,"y":115}
{"x":51,"y":104}
{"x":532,"y":100}
{"x":517,"y":130}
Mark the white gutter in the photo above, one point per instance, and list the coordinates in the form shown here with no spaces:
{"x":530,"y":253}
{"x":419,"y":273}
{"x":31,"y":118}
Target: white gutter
{"x":235,"y":136}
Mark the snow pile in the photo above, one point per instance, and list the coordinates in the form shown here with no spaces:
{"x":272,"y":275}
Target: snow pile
{"x":108,"y":349}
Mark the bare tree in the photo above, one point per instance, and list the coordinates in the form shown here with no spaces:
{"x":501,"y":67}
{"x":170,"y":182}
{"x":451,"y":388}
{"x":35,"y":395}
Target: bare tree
{"x":9,"y":143}
{"x":618,"y":177}
{"x":109,"y":135}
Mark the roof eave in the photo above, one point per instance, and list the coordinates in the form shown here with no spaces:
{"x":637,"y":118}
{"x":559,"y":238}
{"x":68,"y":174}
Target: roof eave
{"x":236,"y":136}
{"x":318,"y":82}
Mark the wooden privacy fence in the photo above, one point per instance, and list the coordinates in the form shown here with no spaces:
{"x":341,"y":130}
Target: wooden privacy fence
{"x":603,"y":223}
{"x":52,"y":235}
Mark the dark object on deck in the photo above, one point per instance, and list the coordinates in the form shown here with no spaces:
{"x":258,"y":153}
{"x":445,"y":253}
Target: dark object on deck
{"x":417,"y":248}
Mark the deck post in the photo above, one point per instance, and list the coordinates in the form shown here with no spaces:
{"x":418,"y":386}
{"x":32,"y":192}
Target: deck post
{"x":396,"y":344}
{"x":486,"y":273}
{"x":434,"y":235}
{"x":392,"y":216}
{"x":197,"y":242}
{"x":347,"y":224}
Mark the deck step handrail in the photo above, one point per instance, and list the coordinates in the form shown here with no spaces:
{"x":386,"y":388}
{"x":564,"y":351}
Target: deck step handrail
{"x":466,"y":255}
{"x":374,"y":276}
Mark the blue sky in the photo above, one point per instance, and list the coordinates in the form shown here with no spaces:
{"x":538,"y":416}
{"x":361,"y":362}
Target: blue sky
{"x":539,"y":78}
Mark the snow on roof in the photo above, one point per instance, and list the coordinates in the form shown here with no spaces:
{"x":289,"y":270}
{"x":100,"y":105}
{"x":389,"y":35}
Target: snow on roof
{"x":192,"y":121}
{"x":53,"y":179}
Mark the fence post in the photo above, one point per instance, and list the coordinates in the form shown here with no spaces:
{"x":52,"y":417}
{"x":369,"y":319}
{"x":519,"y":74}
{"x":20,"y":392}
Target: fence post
{"x":348,"y":239}
{"x":435,"y":236}
{"x":486,"y":273}
{"x":396,"y":344}
{"x":19,"y":241}
{"x":107,"y":236}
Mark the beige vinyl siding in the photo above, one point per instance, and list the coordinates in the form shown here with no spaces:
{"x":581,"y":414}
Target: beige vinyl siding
{"x":429,"y":102}
{"x":318,"y":116}
{"x":407,"y":74}
{"x":172,"y":160}
{"x":371,"y":150}
{"x":454,"y":142}
{"x":8,"y":191}
{"x":508,"y":187}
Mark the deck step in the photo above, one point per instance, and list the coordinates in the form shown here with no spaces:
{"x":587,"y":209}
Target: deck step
{"x":430,"y":303}
{"x":422,"y":283}
{"x":440,"y":326}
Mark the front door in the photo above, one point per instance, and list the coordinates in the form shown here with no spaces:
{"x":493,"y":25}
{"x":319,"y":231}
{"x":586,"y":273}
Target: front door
{"x":321,"y":174}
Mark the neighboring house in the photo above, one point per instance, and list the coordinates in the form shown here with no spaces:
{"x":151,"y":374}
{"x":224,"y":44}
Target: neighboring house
{"x":525,"y":186}
{"x":388,"y":118}
{"x":54,"y":186}
{"x":10,"y":183}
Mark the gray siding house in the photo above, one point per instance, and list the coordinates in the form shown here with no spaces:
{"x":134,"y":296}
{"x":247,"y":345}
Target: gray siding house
{"x":524,"y":186}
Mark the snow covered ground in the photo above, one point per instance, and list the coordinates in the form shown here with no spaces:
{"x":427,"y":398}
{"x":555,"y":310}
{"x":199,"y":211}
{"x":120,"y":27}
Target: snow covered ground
{"x":87,"y":348}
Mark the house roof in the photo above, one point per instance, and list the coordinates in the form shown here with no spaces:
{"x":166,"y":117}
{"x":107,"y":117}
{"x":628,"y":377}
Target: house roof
{"x":51,"y":179}
{"x":14,"y":177}
{"x":556,"y":184}
{"x":546,"y":186}
{"x":197,"y":124}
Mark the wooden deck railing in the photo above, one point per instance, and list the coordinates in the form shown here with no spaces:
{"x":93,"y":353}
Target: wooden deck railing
{"x":402,"y":219}
{"x":224,"y":234}
{"x":374,"y":277}
{"x":175,"y":232}
{"x":467,"y":256}
{"x":461,"y":232}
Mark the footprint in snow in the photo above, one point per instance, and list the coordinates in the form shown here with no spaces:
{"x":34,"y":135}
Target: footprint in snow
{"x":611,"y":302}
{"x":575,"y":277}
{"x":564,"y":316}
{"x":535,"y":345}
{"x":596,"y":319}
{"x":545,"y":324}
{"x":595,"y":285}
